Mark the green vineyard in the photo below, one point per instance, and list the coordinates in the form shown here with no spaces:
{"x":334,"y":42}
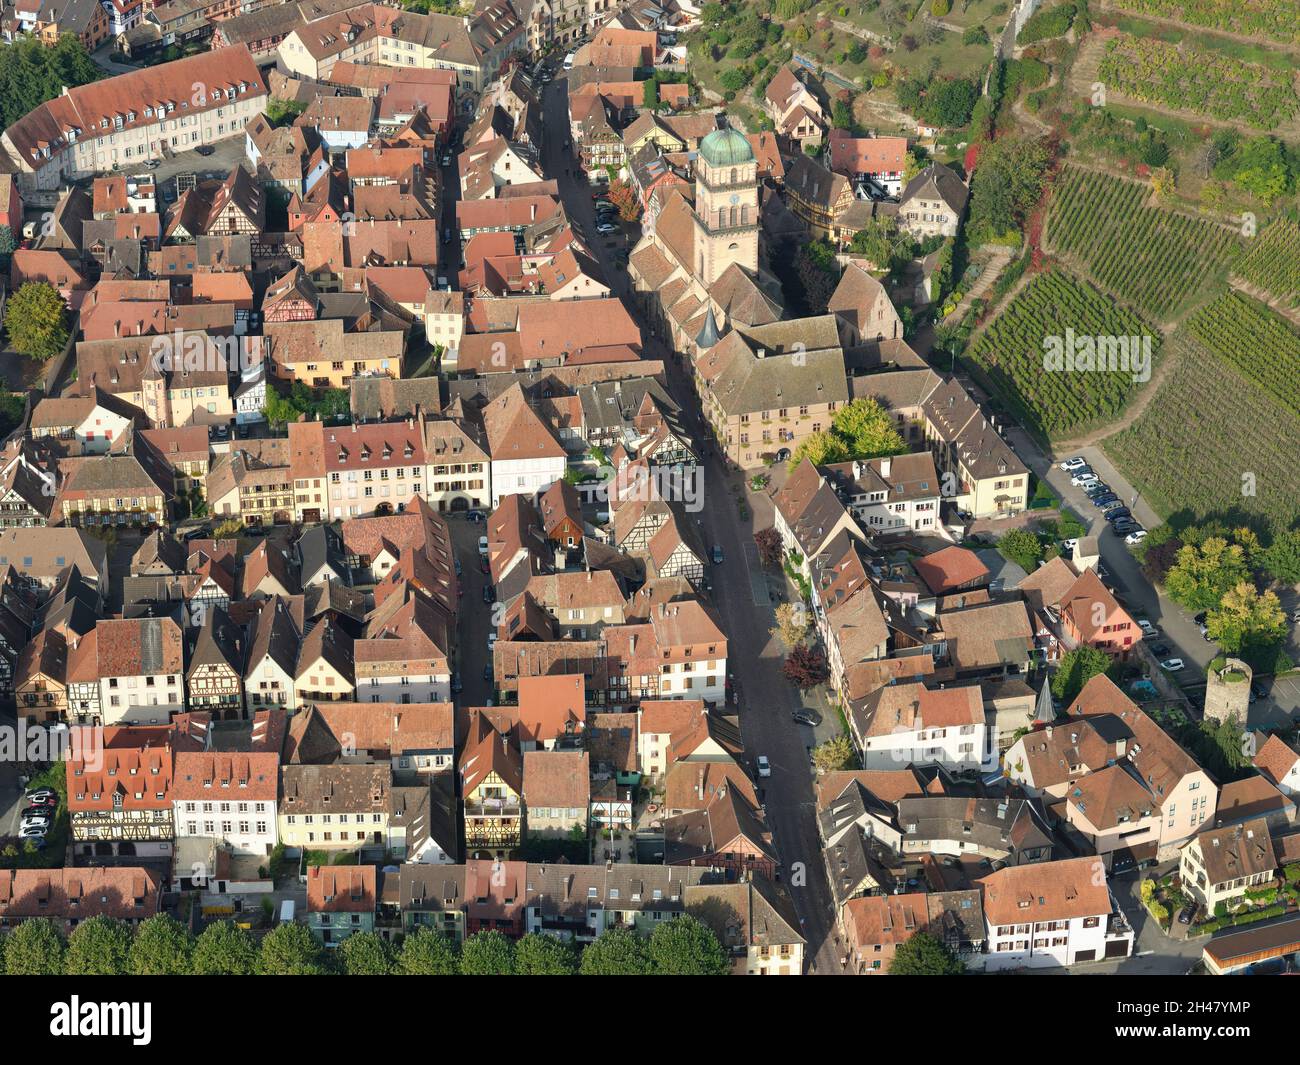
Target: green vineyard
{"x":1182,"y":77}
{"x":1256,"y":341}
{"x":1273,"y":263}
{"x":1159,"y":261}
{"x":1050,"y":400}
{"x":1213,"y":440}
{"x":1275,"y":20}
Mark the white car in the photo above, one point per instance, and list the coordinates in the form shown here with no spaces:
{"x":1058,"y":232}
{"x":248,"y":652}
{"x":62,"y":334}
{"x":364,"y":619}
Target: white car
{"x":42,"y":823}
{"x":568,"y":60}
{"x":763,"y":766}
{"x":606,"y":227}
{"x":1172,"y":665}
{"x":483,"y":545}
{"x":39,"y":832}
{"x":1136,"y":536}
{"x":1083,"y":479}
{"x":1076,"y":463}
{"x":1147,"y":628}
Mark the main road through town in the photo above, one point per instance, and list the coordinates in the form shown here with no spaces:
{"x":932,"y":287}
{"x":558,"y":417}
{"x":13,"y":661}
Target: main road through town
{"x":766,"y":699}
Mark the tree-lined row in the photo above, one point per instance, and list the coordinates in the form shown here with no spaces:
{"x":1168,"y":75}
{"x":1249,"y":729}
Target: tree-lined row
{"x":162,"y":946}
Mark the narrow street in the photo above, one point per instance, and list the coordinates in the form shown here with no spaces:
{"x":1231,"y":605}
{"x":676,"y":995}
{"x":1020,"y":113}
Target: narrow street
{"x":766,"y":699}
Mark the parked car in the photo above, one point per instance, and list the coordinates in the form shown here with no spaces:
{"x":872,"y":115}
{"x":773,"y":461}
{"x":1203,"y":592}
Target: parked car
{"x":606,"y":227}
{"x":1186,"y":914}
{"x":1083,"y":478}
{"x":717,"y":554}
{"x":1102,"y":500}
{"x":456,"y":563}
{"x":482,"y":545}
{"x":34,"y":835}
{"x":1258,"y":691}
{"x":1114,"y":514}
{"x":487,"y":672}
{"x":489,"y":596}
{"x":1101,"y":488}
{"x":456,"y":684}
{"x":205,"y":149}
{"x":1172,"y":665}
{"x":475,"y":515}
{"x":805,"y":717}
{"x":38,"y":811}
{"x":42,"y":795}
{"x":1072,"y":464}
{"x":1147,"y":628}
{"x":1160,"y":649}
{"x":1136,"y":536}
{"x":492,"y":641}
{"x":40,"y":821}
{"x":763,"y":766}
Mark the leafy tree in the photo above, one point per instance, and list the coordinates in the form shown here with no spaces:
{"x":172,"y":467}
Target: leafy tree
{"x":949,"y":101}
{"x":31,"y":73}
{"x":1245,"y":618}
{"x":162,"y":946}
{"x":768,"y":542}
{"x":685,"y":946}
{"x":616,"y":952}
{"x":35,"y":947}
{"x":8,"y":245}
{"x":283,"y":112}
{"x":487,"y":954}
{"x":1281,"y":559}
{"x":1077,"y":667}
{"x":624,"y":197}
{"x":1262,"y":168}
{"x":539,"y":955}
{"x":224,"y":949}
{"x":939,"y":8}
{"x":819,"y":448}
{"x":36,"y":319}
{"x":291,"y":950}
{"x":99,"y":946}
{"x":882,"y":243}
{"x":866,"y":430}
{"x":1021,"y":547}
{"x":1203,"y":574}
{"x":791,"y":623}
{"x":278,"y":409}
{"x":835,"y":754}
{"x":925,"y":955}
{"x":1006,"y":185}
{"x":427,"y":953}
{"x":1158,"y":559}
{"x":366,"y":954}
{"x":975,"y":35}
{"x":805,"y":668}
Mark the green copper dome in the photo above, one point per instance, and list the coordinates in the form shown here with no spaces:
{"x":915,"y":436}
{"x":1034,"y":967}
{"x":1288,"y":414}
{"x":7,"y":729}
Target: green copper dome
{"x":726,"y":147}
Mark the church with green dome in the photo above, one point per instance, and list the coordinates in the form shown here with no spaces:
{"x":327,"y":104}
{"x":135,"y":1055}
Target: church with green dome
{"x":698,"y":261}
